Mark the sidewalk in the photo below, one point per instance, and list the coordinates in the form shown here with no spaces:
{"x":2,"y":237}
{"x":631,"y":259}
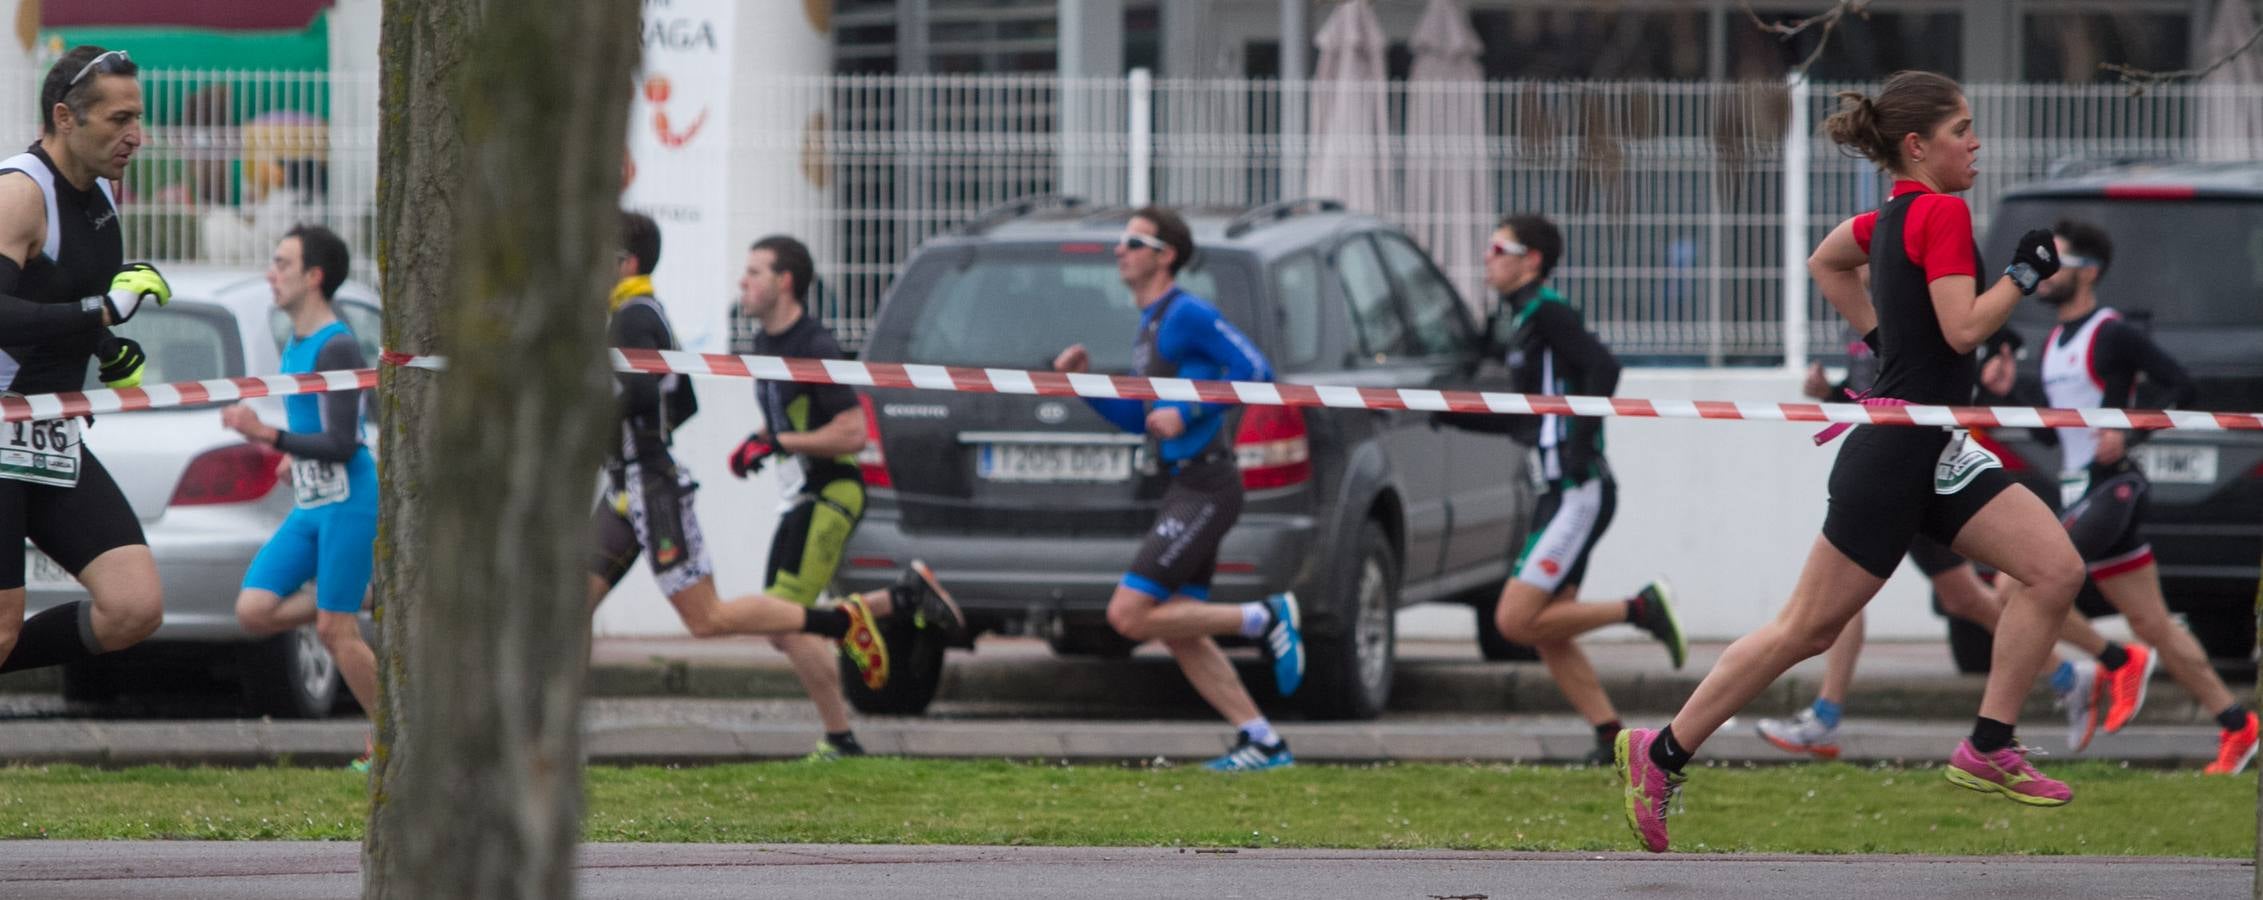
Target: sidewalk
{"x":1896,"y":679}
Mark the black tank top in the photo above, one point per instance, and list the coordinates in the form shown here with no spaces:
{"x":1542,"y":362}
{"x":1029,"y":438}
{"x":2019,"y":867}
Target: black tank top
{"x":1916,"y":362}
{"x":84,"y":250}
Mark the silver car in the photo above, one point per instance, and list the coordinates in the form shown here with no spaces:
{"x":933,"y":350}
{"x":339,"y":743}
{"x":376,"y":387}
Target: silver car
{"x":206,"y":498}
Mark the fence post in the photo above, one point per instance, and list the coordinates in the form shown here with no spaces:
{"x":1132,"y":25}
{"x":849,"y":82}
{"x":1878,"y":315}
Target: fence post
{"x":1142,"y":129}
{"x":1795,"y":226}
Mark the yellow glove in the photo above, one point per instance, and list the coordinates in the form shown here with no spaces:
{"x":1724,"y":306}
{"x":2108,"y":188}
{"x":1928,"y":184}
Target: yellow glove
{"x":122,"y":362}
{"x":132,"y":285}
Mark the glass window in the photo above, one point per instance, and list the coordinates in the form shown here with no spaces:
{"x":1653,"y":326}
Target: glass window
{"x":2182,"y":264}
{"x":1862,"y":48}
{"x":1432,"y":305}
{"x":1614,"y":42}
{"x":1296,"y":282}
{"x":185,"y":341}
{"x":1019,"y":310}
{"x":2070,"y":46}
{"x":1382,"y":331}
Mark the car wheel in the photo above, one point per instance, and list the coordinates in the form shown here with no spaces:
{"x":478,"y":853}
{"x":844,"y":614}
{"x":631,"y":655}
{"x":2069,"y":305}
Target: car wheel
{"x":1092,"y":640}
{"x":1348,"y":665}
{"x":915,"y":672}
{"x":95,"y":680}
{"x":291,"y":675}
{"x":1490,"y":643}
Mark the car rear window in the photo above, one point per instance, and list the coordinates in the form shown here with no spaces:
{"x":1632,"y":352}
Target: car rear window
{"x":185,"y":341}
{"x":2187,"y":262}
{"x":1019,"y":308}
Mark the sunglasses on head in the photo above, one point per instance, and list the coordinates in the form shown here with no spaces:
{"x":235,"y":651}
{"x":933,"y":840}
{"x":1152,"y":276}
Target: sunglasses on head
{"x":1132,"y":239}
{"x":109,"y":61}
{"x":1507,"y":248}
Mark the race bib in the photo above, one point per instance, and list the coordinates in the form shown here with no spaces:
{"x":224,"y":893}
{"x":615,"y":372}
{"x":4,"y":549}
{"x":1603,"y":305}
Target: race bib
{"x":43,"y":452}
{"x":1961,"y":461}
{"x":2073,"y":486}
{"x":319,"y":482}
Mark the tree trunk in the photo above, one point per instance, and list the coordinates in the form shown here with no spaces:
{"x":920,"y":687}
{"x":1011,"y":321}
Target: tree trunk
{"x":500,"y":151}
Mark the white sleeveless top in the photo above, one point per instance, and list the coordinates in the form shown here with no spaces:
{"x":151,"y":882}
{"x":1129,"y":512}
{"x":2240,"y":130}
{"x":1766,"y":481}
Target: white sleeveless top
{"x":2071,"y":379}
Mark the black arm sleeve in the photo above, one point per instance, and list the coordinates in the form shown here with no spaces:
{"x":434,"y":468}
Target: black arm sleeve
{"x":2124,"y":351}
{"x":638,"y":328}
{"x":341,"y":410}
{"x":25,"y":322}
{"x":1588,"y":367}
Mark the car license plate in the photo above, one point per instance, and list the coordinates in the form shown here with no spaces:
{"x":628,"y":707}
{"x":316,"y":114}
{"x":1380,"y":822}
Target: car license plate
{"x":1054,"y":463}
{"x":42,"y":572}
{"x":2176,"y":463}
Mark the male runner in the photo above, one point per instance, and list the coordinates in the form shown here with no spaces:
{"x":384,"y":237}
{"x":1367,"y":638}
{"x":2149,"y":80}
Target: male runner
{"x":330,"y":535}
{"x":1165,"y":595}
{"x":1549,"y":350}
{"x":2093,"y":358}
{"x":648,"y":507}
{"x":63,"y":280}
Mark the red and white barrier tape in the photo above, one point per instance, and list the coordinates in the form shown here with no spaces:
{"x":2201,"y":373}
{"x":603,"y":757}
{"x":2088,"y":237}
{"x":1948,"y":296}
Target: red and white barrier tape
{"x":1054,"y":384}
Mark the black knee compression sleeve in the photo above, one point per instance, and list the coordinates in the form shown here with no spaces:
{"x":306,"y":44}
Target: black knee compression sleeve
{"x":58,"y":635}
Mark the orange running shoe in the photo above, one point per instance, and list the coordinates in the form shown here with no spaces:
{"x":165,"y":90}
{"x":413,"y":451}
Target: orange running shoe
{"x":2234,"y":750}
{"x":2124,"y":688}
{"x":863,"y":645}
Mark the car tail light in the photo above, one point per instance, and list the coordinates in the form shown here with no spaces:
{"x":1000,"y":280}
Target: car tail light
{"x":1271,"y":448}
{"x":871,"y":462}
{"x":240,"y":473}
{"x":2013,"y":462}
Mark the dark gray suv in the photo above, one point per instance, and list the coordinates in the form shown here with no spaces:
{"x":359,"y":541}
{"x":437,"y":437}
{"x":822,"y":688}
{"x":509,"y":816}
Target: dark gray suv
{"x":2188,"y":266}
{"x":1030,"y":508}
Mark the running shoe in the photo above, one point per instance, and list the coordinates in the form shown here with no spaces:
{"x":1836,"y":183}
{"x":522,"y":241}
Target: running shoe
{"x":918,"y":593}
{"x":1650,"y":790}
{"x":863,"y":645}
{"x":2234,"y":750}
{"x":2006,"y":772}
{"x":368,"y":752}
{"x":1657,"y":617}
{"x":2125,"y":687}
{"x":1251,"y":756}
{"x":1803,"y":733}
{"x":827,"y":751}
{"x":1284,"y":640}
{"x":2081,"y":705}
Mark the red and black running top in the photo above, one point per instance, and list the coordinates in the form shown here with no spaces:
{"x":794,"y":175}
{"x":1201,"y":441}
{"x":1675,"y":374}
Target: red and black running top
{"x":1918,"y":237}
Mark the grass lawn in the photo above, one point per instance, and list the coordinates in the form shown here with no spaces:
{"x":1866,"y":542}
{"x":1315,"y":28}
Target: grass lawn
{"x":1794,"y":809}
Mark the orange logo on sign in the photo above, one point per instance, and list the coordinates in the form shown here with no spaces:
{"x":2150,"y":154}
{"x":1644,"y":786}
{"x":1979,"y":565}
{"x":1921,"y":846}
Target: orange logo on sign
{"x":656,"y":90}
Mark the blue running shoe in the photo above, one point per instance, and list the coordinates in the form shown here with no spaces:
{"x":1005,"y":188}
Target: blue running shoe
{"x":1284,"y":639}
{"x":1251,"y":756}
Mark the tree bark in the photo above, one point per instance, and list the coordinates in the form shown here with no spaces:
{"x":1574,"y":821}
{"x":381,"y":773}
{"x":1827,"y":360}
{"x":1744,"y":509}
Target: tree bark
{"x":500,"y":152}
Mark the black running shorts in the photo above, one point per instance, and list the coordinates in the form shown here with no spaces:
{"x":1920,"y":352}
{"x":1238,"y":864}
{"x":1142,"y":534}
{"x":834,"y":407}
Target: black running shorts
{"x":1882,"y":495}
{"x":1181,"y":552}
{"x":72,"y":525}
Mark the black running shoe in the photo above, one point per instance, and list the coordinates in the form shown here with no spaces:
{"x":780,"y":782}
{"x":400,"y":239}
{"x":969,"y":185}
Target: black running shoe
{"x":1657,"y":617}
{"x":918,"y":593}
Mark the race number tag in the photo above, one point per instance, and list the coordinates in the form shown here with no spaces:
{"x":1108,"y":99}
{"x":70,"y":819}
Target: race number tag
{"x":319,"y":483}
{"x":1961,"y":461}
{"x":43,"y":452}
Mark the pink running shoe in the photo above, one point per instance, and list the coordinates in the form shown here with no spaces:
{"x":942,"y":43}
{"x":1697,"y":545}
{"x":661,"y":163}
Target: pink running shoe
{"x":2006,"y":772}
{"x":1650,"y":790}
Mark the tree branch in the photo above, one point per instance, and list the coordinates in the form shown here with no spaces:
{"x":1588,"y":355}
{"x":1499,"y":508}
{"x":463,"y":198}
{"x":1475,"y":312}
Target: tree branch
{"x":1825,"y":22}
{"x":2144,"y":78}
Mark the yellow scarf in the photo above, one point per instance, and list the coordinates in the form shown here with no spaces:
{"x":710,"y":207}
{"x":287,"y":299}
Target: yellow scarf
{"x":630,"y":288}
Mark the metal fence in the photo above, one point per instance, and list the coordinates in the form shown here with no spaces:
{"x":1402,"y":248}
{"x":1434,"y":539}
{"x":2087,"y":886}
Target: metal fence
{"x":1672,"y":195}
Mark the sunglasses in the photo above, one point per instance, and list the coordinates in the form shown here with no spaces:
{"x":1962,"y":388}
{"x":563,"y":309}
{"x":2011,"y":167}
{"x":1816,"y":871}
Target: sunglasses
{"x":1507,"y":248}
{"x":1132,"y":239}
{"x":2071,"y":261}
{"x":110,"y":62}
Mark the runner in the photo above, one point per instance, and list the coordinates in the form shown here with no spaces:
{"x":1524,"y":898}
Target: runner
{"x":1165,"y":595}
{"x":2093,"y":358}
{"x":1550,"y":351}
{"x":648,"y":507}
{"x":1958,"y":586}
{"x":63,"y":280}
{"x":330,"y":536}
{"x":1892,"y":483}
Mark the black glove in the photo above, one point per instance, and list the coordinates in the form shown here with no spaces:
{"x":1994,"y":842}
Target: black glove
{"x":2036,"y":258}
{"x":750,"y":456}
{"x":121,"y":362}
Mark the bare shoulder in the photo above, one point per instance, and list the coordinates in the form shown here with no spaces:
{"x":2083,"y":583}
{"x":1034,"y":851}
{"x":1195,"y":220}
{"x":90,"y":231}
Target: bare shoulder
{"x":23,"y":216}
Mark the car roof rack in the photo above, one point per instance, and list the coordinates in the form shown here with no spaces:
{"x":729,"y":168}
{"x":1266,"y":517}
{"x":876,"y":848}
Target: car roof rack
{"x":1017,"y":208}
{"x":1279,"y":210}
